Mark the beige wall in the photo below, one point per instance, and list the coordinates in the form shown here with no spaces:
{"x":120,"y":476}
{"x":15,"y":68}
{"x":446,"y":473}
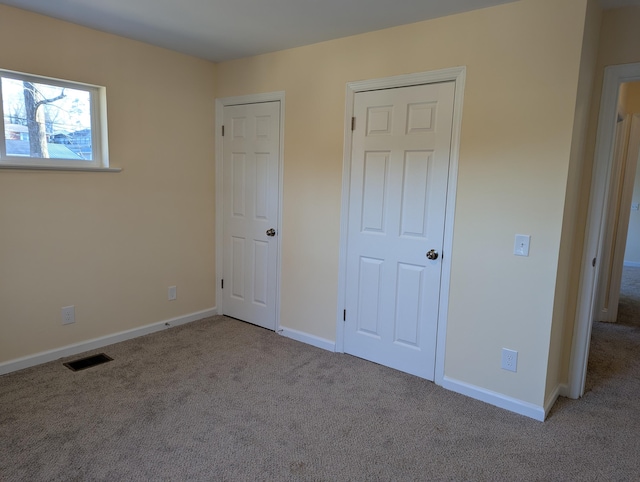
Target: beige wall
{"x":523,"y":61}
{"x":632,"y":97}
{"x":619,"y":38}
{"x":570,"y":258}
{"x":619,"y":45}
{"x":110,"y":244}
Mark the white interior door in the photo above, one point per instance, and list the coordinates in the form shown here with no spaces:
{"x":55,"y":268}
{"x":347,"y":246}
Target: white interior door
{"x":607,"y":306}
{"x":251,"y":151}
{"x":399,"y":170}
{"x":624,"y":210}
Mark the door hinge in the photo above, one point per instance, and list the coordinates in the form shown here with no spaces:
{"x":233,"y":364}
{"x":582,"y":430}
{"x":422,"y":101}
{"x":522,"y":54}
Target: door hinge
{"x":221,"y":284}
{"x":222,"y":131}
{"x":593,"y":262}
{"x":353,"y":123}
{"x":344,"y":315}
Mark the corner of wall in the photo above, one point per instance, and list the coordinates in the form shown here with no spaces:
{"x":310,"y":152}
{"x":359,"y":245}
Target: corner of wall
{"x":574,"y":217}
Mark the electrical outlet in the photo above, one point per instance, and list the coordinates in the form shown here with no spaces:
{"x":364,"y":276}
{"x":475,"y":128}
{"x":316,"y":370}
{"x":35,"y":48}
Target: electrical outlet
{"x":68,"y":315}
{"x":509,"y":360}
{"x":173,"y":294}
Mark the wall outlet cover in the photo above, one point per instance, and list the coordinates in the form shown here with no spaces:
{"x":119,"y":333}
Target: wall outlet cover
{"x":68,"y":315}
{"x":509,"y":360}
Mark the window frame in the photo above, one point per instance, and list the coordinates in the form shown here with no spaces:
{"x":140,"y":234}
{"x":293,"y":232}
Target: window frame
{"x":99,"y":138}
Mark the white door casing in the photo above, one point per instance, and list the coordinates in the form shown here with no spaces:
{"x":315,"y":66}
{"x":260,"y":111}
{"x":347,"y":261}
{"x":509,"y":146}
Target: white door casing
{"x":250,"y":205}
{"x":398,"y":193}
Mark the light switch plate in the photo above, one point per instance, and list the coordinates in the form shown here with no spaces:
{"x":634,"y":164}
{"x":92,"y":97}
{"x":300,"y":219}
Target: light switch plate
{"x":521,"y":246}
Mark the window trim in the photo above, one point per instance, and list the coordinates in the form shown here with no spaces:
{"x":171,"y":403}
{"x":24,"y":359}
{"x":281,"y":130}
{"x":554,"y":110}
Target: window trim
{"x":99,"y":135}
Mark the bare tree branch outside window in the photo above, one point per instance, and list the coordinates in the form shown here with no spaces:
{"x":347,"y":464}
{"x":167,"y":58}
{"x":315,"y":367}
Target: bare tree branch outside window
{"x":36,"y":123}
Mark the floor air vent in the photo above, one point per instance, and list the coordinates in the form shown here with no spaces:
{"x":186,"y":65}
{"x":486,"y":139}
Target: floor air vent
{"x":88,"y":362}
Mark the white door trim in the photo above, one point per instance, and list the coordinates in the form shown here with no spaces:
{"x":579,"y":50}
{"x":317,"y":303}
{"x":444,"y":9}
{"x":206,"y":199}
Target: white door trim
{"x":596,"y":221}
{"x":457,"y":75}
{"x":221,"y":103}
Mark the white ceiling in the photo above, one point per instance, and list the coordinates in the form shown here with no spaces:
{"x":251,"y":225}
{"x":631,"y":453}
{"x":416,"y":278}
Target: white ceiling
{"x":221,"y":30}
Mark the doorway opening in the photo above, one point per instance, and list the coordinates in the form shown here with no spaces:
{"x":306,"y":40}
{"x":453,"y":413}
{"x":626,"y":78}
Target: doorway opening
{"x":615,"y":337}
{"x":608,"y":218}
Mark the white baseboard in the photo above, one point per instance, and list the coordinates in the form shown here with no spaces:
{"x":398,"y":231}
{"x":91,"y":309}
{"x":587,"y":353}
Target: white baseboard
{"x":494,"y":398}
{"x":308,"y":339}
{"x":561,"y":389}
{"x":69,"y":350}
{"x":564,"y":391}
{"x":632,"y":264}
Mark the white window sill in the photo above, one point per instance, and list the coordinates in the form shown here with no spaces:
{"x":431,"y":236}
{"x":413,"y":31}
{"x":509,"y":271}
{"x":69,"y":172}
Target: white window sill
{"x":35,"y":167}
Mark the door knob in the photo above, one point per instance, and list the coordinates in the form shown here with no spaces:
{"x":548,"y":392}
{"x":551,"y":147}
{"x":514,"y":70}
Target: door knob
{"x":272,"y":232}
{"x":432,"y":254}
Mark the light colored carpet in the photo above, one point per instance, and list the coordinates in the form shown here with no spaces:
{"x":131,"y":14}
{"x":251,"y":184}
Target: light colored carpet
{"x":219,"y":399}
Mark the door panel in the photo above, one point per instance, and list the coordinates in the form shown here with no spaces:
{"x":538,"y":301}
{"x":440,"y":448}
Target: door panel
{"x":374,"y":190}
{"x":408,"y":304}
{"x":368,"y":319}
{"x":399,"y":172}
{"x":414,"y":194}
{"x":251,"y":152}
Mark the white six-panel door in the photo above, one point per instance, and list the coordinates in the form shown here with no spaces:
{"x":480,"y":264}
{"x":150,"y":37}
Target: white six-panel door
{"x":399,"y":170}
{"x":251,"y":151}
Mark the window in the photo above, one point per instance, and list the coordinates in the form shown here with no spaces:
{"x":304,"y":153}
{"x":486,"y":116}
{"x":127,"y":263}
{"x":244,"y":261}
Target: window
{"x":51,"y":124}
